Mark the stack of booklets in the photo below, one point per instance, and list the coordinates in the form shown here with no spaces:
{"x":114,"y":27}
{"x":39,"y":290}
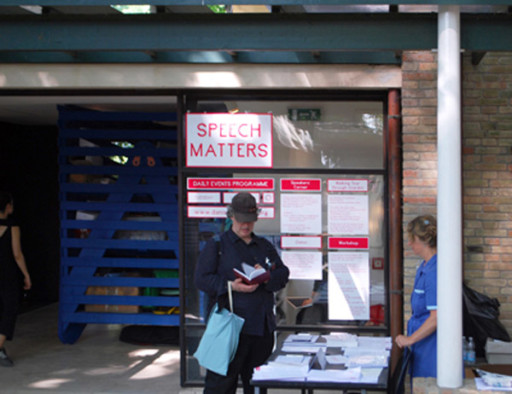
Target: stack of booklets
{"x":341,"y":339}
{"x":371,"y":352}
{"x":302,"y":343}
{"x":306,"y":358}
{"x":284,"y":367}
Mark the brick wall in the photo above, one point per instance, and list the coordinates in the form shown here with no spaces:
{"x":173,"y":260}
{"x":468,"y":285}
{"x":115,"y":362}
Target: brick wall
{"x":487,"y":142}
{"x":419,"y":149}
{"x":487,"y":167}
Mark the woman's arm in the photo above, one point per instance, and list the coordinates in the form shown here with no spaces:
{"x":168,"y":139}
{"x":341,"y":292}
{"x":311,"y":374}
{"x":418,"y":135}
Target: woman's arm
{"x":19,"y":257}
{"x":427,"y":328}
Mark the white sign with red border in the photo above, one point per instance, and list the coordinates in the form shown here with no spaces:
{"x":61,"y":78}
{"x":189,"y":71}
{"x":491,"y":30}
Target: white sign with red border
{"x":218,"y":212}
{"x":301,"y":242}
{"x":347,"y":185}
{"x":206,"y":212}
{"x":228,"y":196}
{"x":268,"y":198}
{"x":229,"y":140}
{"x":203,"y":197}
{"x":267,"y":213}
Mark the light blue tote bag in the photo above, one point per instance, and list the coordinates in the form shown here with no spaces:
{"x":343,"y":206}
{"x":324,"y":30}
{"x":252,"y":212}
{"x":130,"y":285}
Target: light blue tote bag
{"x":219,"y":343}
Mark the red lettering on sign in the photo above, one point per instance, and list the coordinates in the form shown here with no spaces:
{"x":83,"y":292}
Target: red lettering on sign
{"x":263,"y":150}
{"x":196,"y":152}
{"x":202,"y":130}
{"x":210,"y":150}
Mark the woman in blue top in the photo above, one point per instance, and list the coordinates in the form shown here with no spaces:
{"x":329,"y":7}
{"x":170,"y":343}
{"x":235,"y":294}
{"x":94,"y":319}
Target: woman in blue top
{"x":421,"y":329}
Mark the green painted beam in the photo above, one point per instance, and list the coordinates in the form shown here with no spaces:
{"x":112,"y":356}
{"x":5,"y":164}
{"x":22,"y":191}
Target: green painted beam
{"x":204,"y":32}
{"x":246,"y":32}
{"x":249,"y":2}
{"x":212,"y":57}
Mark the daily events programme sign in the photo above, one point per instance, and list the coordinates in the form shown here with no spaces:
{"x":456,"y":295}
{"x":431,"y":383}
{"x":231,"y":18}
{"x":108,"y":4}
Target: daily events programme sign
{"x":229,"y":140}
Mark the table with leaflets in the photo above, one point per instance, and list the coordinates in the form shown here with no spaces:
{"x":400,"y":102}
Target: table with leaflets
{"x":336,"y":361}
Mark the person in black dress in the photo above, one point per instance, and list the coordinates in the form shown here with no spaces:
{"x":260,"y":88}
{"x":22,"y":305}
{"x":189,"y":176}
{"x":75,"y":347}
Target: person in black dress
{"x":12,"y":270}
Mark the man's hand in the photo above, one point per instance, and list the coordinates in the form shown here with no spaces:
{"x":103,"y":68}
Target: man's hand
{"x":239,"y":285}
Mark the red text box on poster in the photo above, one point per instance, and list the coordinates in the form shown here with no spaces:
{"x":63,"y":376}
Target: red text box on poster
{"x":301,"y":185}
{"x":230,"y":183}
{"x":348,"y":242}
{"x":229,"y":140}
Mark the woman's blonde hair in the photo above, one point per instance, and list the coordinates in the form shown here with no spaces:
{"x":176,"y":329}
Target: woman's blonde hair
{"x":425,"y":228}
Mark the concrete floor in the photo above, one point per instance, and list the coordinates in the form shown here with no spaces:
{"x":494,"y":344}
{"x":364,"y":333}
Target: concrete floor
{"x":97,"y":363}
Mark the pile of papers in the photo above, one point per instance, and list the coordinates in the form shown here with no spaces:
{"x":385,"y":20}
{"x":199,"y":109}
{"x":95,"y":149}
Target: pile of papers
{"x":284,"y":367}
{"x":493,"y":381}
{"x":302,"y":343}
{"x":305,"y":357}
{"x":341,"y":339}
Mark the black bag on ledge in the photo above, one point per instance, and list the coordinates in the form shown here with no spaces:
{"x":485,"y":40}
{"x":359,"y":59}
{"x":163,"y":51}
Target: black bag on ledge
{"x":480,"y":314}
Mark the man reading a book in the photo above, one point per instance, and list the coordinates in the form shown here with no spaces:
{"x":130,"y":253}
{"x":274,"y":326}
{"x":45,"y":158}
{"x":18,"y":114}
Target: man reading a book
{"x":253,"y":302}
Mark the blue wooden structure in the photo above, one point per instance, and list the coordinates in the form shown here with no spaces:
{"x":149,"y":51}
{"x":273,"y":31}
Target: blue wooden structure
{"x":118,"y":218}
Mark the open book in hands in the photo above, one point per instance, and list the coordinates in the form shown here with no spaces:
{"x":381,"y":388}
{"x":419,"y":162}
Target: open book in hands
{"x":251,"y":275}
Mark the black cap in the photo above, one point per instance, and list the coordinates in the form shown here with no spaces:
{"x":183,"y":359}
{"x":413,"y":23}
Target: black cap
{"x":244,"y":207}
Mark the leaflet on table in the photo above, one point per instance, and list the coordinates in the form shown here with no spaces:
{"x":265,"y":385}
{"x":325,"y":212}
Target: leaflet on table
{"x":340,"y":339}
{"x":352,"y":352}
{"x":270,"y":372}
{"x":293,"y":359}
{"x":301,"y":338}
{"x":284,"y":367}
{"x":350,"y":375}
{"x":298,"y":369}
{"x":495,"y":380}
{"x":302,"y":348}
{"x":367,"y":360}
{"x":482,"y":386}
{"x":336,"y":359}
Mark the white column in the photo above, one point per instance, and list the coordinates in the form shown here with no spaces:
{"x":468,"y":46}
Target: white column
{"x":449,"y":201}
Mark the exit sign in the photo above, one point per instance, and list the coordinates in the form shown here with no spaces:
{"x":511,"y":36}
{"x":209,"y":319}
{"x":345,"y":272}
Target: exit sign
{"x":296,"y":114}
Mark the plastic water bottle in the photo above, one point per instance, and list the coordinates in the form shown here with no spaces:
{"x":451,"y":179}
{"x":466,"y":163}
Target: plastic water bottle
{"x":464,"y":349}
{"x":471,"y":357}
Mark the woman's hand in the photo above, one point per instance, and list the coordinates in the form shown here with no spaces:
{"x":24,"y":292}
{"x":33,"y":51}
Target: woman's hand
{"x":427,"y":328}
{"x":403,"y":341}
{"x":27,"y":283}
{"x":240,"y":286}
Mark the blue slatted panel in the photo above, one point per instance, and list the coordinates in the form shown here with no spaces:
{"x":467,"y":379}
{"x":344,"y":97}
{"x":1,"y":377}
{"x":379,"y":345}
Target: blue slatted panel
{"x":119,"y":219}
